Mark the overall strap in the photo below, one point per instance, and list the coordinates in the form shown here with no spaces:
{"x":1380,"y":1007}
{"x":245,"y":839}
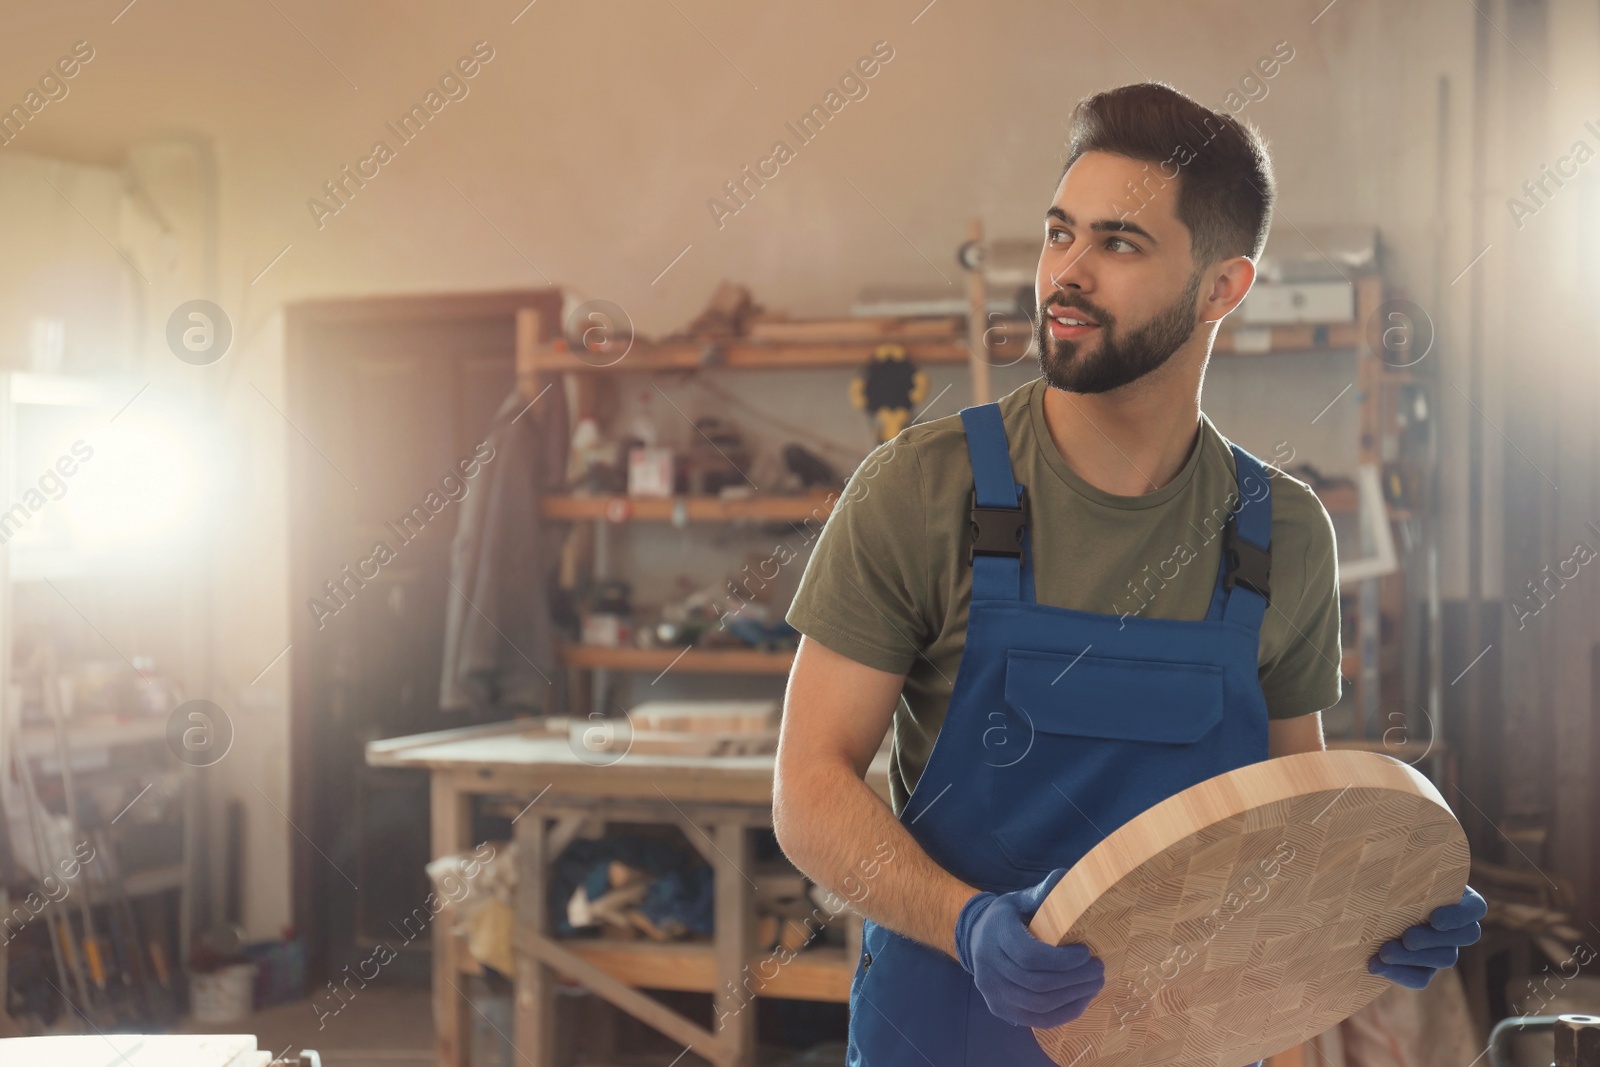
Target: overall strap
{"x":1247,"y":544}
{"x":1000,"y":567}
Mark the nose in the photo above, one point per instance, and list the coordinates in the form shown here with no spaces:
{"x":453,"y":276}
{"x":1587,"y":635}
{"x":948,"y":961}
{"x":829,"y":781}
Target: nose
{"x":1067,"y":268}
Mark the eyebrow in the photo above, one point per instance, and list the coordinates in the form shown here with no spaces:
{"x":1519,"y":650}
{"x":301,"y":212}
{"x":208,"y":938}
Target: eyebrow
{"x":1104,"y":225}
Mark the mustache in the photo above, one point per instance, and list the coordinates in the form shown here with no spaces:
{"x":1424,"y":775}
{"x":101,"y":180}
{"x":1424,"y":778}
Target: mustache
{"x":1062,"y":301}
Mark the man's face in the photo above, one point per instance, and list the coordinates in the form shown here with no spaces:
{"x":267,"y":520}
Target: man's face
{"x":1117,"y":256}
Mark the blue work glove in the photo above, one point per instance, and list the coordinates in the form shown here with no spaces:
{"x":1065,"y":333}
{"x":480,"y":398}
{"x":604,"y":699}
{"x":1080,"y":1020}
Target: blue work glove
{"x":1427,"y":948}
{"x":1024,"y":981}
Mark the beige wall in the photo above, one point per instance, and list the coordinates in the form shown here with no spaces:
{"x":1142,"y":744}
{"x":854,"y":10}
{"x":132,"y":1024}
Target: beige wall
{"x":589,"y":146}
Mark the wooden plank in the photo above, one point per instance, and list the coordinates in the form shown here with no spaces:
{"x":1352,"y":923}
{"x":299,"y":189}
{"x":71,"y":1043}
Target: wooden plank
{"x":700,"y":660}
{"x":568,"y":827}
{"x":697,"y":837}
{"x":734,"y":917}
{"x":382,"y":752}
{"x":527,"y":763}
{"x":751,"y":355}
{"x":814,"y":507}
{"x":534,"y":1021}
{"x":426,"y":306}
{"x":648,"y":1010}
{"x":745,"y":355}
{"x":693,"y":780}
{"x":1339,"y":336}
{"x":451,"y":815}
{"x":878,"y":329}
{"x":706,"y":716}
{"x":1342,"y":499}
{"x":821,"y":973}
{"x":664,"y":809}
{"x":1286,"y":340}
{"x":528,"y":333}
{"x":669,"y":742}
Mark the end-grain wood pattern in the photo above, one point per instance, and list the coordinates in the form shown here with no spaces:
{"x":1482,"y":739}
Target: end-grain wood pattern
{"x":1236,"y":918}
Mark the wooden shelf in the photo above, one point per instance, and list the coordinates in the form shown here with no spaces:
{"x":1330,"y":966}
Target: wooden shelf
{"x":1339,"y":500}
{"x":821,"y":973}
{"x":1009,"y":337}
{"x":744,"y":355}
{"x":1284,"y":339}
{"x":696,"y":508}
{"x":700,"y":661}
{"x":1301,"y":337}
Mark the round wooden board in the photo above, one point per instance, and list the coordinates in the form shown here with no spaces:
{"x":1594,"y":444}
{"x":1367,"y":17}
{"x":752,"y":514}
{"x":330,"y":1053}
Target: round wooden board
{"x":1237,"y":917}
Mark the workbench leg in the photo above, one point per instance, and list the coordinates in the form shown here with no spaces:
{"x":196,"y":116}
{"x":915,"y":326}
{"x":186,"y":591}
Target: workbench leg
{"x":535,"y":1023}
{"x":607,"y":1018}
{"x":451,"y":815}
{"x":734,"y":1004}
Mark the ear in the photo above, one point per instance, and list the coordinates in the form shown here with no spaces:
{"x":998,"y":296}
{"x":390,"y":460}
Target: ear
{"x":1231,"y":280}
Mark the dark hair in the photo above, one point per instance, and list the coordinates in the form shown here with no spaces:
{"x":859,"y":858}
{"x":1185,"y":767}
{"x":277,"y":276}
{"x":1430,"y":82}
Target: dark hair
{"x":1226,"y":191}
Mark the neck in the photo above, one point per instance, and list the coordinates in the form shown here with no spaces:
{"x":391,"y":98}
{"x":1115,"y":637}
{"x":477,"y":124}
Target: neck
{"x":1129,"y":441}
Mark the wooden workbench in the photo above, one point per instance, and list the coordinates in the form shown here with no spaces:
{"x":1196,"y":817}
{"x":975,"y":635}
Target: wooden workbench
{"x":717,"y":801}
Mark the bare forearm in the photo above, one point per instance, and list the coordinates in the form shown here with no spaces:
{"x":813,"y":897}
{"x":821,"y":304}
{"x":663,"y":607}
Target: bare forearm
{"x":842,"y":835}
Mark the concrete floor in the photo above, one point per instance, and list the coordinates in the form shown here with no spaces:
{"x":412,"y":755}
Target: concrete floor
{"x":382,"y":1027}
{"x":393,"y":1027}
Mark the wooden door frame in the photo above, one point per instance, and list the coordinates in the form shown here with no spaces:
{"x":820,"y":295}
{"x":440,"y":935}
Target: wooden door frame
{"x":302,"y":321}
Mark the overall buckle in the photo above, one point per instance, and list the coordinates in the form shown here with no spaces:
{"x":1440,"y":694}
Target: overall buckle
{"x":1246,"y":564}
{"x":998,"y":531}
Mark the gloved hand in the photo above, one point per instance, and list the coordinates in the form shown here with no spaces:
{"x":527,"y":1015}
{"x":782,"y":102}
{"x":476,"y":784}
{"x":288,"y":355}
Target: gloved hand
{"x":1024,"y":981}
{"x":1427,"y":948}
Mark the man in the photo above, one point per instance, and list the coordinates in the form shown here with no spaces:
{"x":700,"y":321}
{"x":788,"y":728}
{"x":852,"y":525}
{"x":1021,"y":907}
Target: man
{"x":1036,"y":591}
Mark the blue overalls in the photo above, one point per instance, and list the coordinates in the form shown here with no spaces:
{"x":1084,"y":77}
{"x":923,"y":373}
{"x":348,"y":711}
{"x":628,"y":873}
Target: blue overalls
{"x":1063,"y":725}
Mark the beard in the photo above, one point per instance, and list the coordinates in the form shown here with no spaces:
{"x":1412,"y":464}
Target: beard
{"x":1119,"y":360}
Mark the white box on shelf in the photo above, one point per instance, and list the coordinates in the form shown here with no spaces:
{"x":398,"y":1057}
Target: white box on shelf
{"x":1292,"y":302}
{"x":650,"y":472}
{"x":604,"y":628}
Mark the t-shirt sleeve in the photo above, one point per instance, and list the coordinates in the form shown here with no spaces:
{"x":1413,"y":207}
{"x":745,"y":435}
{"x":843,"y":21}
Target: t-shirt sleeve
{"x":1304,"y":677}
{"x":864,"y":590}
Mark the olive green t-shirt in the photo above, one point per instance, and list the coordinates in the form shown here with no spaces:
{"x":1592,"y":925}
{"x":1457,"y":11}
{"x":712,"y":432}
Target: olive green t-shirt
{"x":888,"y":583}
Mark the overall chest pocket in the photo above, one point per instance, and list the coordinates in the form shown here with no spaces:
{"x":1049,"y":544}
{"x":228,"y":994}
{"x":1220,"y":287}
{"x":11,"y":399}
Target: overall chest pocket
{"x":1107,"y":738}
{"x":1114,"y":699}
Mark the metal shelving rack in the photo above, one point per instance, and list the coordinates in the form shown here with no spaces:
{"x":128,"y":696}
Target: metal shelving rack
{"x":40,"y":744}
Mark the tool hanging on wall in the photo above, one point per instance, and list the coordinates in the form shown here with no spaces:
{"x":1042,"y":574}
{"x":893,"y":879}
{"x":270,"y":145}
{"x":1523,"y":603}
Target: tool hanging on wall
{"x":63,"y":942}
{"x":93,"y":949}
{"x":887,"y":388}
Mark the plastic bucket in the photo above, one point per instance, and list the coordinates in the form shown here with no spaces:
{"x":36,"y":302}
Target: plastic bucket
{"x":223,"y":996}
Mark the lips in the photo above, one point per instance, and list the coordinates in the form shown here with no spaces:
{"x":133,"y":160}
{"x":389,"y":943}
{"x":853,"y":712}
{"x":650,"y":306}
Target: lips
{"x":1061,"y":313}
{"x":1062,"y":330}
